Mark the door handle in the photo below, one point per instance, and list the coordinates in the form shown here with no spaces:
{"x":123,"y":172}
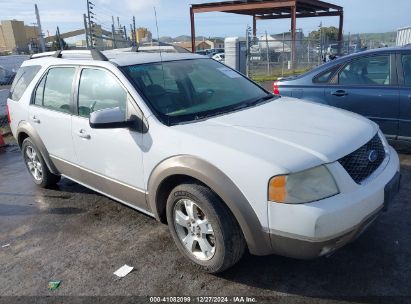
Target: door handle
{"x":339,"y":93}
{"x":82,"y":134}
{"x":35,"y":119}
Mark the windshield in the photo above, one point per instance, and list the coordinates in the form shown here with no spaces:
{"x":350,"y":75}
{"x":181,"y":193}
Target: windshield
{"x":186,"y":90}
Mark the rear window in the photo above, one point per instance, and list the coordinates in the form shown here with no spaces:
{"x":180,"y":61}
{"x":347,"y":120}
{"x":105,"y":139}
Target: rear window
{"x":22,"y":80}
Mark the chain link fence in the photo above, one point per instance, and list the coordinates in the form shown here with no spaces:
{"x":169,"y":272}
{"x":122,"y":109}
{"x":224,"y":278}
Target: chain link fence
{"x":271,"y":57}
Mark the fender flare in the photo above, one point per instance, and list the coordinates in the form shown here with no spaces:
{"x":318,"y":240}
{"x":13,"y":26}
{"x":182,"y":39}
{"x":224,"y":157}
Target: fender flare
{"x":257,"y":239}
{"x":27,"y":128}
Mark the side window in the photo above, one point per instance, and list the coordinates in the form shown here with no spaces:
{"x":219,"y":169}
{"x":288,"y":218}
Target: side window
{"x":22,"y":80}
{"x":406,"y":67}
{"x":99,"y":90}
{"x":38,"y":98}
{"x":373,"y":70}
{"x":54,"y":90}
{"x":326,"y":76}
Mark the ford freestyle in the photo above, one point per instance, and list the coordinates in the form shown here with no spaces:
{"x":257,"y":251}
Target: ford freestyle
{"x":189,"y":141}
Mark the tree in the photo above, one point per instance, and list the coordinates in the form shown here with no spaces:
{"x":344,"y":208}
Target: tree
{"x":328,"y":34}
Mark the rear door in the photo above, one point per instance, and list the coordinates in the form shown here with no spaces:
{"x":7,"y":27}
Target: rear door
{"x":404,"y":67}
{"x":51,"y":110}
{"x":368,"y":86}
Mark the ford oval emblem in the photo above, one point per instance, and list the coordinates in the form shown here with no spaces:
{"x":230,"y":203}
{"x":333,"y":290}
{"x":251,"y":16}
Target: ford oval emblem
{"x":372,"y":155}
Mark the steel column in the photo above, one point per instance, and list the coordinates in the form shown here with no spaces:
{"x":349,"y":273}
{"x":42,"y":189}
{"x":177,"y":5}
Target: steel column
{"x":293,"y":35}
{"x":193,"y":31}
{"x":340,"y":33}
{"x":254,"y":26}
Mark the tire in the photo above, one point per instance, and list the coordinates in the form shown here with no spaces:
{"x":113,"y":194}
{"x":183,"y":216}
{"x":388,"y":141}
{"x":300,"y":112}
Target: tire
{"x":36,"y":166}
{"x":224,"y":243}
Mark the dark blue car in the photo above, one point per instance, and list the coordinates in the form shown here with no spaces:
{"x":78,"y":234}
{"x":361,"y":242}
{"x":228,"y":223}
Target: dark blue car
{"x":375,"y":84}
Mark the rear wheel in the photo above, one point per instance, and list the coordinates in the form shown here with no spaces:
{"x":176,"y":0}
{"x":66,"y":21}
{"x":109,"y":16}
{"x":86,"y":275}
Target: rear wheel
{"x":36,"y":166}
{"x":203,"y":228}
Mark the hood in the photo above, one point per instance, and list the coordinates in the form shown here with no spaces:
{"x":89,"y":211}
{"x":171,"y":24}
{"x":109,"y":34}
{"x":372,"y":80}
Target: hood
{"x":287,"y":132}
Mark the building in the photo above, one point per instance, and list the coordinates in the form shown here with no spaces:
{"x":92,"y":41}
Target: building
{"x":200,"y":45}
{"x":16,"y":37}
{"x":216,"y":43}
{"x":143,"y":35}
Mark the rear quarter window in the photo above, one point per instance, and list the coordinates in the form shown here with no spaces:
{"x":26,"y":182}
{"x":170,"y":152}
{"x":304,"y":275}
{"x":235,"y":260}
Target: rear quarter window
{"x":24,"y":77}
{"x":326,"y":76}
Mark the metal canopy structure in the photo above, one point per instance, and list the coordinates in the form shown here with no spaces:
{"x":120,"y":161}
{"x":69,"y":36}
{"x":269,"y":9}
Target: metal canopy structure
{"x":271,"y":9}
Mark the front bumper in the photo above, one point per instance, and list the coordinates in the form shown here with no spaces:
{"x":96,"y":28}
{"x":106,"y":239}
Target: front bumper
{"x":310,"y":230}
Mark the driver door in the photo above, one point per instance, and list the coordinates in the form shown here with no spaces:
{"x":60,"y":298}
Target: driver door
{"x":110,"y":159}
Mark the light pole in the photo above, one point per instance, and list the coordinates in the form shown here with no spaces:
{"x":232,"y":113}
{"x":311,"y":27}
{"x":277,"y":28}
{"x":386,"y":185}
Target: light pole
{"x":321,"y":41}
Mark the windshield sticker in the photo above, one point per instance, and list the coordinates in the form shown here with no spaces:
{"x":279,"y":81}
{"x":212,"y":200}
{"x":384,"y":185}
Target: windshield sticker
{"x":228,"y":72}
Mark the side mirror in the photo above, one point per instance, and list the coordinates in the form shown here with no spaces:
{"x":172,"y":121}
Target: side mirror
{"x":108,"y":119}
{"x":114,"y":118}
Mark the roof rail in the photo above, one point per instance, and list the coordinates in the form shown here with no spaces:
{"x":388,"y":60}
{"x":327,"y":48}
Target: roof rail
{"x":95,"y":54}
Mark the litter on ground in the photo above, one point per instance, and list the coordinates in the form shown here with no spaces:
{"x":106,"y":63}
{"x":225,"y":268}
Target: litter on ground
{"x":123,"y":271}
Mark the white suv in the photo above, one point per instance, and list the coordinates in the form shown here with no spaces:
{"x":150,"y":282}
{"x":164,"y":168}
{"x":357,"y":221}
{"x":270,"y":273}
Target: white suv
{"x":195,"y":144}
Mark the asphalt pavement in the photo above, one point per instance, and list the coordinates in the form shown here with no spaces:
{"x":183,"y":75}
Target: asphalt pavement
{"x":79,"y":237}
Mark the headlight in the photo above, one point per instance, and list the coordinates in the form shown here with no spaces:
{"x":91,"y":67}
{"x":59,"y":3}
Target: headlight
{"x":302,"y":187}
{"x":384,"y":142}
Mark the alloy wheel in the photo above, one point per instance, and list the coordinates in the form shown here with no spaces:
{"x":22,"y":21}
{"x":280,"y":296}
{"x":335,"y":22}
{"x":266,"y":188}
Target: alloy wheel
{"x":194,"y":230}
{"x":33,"y":163}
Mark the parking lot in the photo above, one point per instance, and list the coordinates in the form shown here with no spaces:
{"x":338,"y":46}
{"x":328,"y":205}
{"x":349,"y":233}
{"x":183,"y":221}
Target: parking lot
{"x":79,"y":237}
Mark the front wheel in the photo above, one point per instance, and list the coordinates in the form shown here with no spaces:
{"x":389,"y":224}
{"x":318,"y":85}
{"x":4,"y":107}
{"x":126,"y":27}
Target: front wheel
{"x":36,"y":166}
{"x":203,"y":228}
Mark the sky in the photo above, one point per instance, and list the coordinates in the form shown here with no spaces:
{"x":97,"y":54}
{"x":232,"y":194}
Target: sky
{"x":360,"y":16}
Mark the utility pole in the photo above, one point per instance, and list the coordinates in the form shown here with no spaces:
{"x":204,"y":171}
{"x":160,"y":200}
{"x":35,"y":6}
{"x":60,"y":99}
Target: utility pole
{"x":91,"y":32}
{"x":247,"y":35}
{"x":125,"y":33}
{"x":86,"y":31}
{"x":308,"y":52}
{"x":113,"y":33}
{"x":132,"y":33}
{"x":268,"y":54}
{"x":39,"y":30}
{"x":134,"y":28}
{"x":118,"y":22}
{"x":321,"y":41}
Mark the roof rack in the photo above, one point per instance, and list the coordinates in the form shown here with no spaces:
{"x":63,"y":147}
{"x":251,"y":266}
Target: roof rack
{"x":77,"y":54}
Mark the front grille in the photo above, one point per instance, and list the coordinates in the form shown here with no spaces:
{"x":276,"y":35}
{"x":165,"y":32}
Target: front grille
{"x":361,"y":163}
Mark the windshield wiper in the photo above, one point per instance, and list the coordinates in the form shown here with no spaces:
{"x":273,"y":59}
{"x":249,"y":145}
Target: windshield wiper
{"x":254,"y":102}
{"x":239,"y":107}
{"x":259,"y":100}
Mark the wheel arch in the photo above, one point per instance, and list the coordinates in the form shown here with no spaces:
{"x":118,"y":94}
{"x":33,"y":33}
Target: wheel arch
{"x":178,"y":169}
{"x":26,"y":130}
